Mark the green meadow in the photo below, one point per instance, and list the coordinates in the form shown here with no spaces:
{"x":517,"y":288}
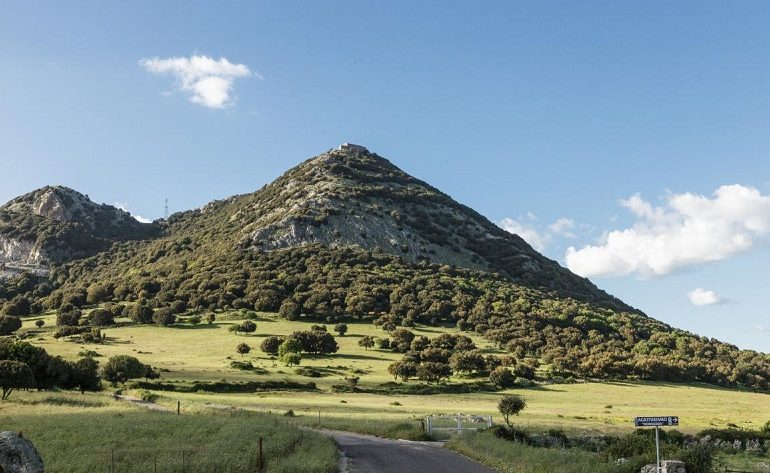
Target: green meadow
{"x":188,"y":353}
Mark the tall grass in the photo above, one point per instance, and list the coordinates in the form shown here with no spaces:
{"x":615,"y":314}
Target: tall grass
{"x":513,"y":457}
{"x":395,"y":429}
{"x":76,"y":440}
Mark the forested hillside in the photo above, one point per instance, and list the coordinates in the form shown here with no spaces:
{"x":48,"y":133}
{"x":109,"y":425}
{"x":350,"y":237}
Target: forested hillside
{"x":348,"y":235}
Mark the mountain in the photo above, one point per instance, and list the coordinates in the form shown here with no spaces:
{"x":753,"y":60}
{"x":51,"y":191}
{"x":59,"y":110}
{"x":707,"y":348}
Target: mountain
{"x":350,"y":197}
{"x":56,"y":224}
{"x":347,"y":234}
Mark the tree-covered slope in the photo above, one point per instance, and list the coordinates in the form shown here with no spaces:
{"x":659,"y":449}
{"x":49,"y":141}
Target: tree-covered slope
{"x":347,"y":234}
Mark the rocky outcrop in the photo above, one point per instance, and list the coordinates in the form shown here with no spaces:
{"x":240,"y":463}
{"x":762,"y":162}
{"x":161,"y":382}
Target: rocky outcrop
{"x":18,"y":455}
{"x":19,"y":252}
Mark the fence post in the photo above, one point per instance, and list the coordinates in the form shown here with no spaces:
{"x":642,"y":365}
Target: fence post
{"x":178,"y":405}
{"x":112,"y":459}
{"x":489,"y":421}
{"x":459,"y":424}
{"x":261,"y":458}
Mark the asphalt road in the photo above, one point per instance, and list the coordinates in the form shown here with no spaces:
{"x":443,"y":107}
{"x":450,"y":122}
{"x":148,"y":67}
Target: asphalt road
{"x":366,"y":454}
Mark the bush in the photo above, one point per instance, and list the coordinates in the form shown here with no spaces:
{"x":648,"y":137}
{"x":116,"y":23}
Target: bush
{"x":290,"y":310}
{"x":164,"y":317}
{"x":140,"y":314}
{"x":121,"y":368}
{"x":341,"y":329}
{"x":270,"y":345}
{"x":194,"y":320}
{"x":68,"y":319}
{"x":248,"y":327}
{"x":9,"y":324}
{"x":511,"y":406}
{"x":502,"y":377}
{"x":101,"y":317}
{"x":243,"y":349}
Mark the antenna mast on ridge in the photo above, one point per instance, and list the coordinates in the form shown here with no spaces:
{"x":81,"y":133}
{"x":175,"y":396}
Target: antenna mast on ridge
{"x":165,"y":209}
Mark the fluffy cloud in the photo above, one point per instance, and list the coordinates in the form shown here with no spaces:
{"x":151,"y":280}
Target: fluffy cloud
{"x":124,"y":208}
{"x":527,"y":231}
{"x":701,"y":297}
{"x":689,"y":230}
{"x":533,"y":233}
{"x":209,"y":81}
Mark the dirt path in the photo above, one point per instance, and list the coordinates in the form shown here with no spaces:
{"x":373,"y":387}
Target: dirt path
{"x":364,"y":453}
{"x":367,"y":454}
{"x":139,"y":402}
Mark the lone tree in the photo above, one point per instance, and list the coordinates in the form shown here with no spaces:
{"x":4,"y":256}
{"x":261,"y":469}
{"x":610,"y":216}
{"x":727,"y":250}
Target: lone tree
{"x":341,"y":329}
{"x":367,"y":342}
{"x":15,"y":374}
{"x":243,"y":349}
{"x":121,"y":368}
{"x":39,"y":323}
{"x":511,"y":406}
{"x":248,"y":327}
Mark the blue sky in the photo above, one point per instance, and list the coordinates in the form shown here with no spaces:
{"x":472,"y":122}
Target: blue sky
{"x":529,"y":112}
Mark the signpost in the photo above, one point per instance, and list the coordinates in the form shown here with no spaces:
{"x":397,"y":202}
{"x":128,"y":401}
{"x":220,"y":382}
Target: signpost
{"x":657,"y":422}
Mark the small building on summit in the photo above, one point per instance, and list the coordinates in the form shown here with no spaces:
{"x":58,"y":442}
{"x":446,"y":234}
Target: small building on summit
{"x":352,"y":147}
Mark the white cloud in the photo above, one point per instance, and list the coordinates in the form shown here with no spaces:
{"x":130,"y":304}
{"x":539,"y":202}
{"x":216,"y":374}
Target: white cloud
{"x":124,"y":208}
{"x":534,"y":233}
{"x":529,"y":233}
{"x":563,"y":227}
{"x":702,"y":296}
{"x":209,"y":81}
{"x":689,"y":230}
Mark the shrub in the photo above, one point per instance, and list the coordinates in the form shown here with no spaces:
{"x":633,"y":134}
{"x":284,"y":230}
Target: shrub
{"x":121,"y":368}
{"x":243,"y":349}
{"x":68,"y":319}
{"x":101,"y":317}
{"x":290,"y":310}
{"x":194,"y":320}
{"x":164,"y":317}
{"x":511,"y":405}
{"x":248,"y":327}
{"x":270,"y":345}
{"x":211,"y":317}
{"x":502,"y":377}
{"x":291,"y":359}
{"x":140,"y":314}
{"x":9,"y":324}
{"x":341,"y":329}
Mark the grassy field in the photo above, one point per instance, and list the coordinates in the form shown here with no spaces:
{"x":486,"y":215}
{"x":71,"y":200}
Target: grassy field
{"x":204,"y":352}
{"x":187,"y":353}
{"x":83,"y":433}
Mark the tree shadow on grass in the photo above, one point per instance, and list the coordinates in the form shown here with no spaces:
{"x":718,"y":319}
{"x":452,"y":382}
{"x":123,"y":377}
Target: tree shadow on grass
{"x":349,"y":356}
{"x":193,"y":327}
